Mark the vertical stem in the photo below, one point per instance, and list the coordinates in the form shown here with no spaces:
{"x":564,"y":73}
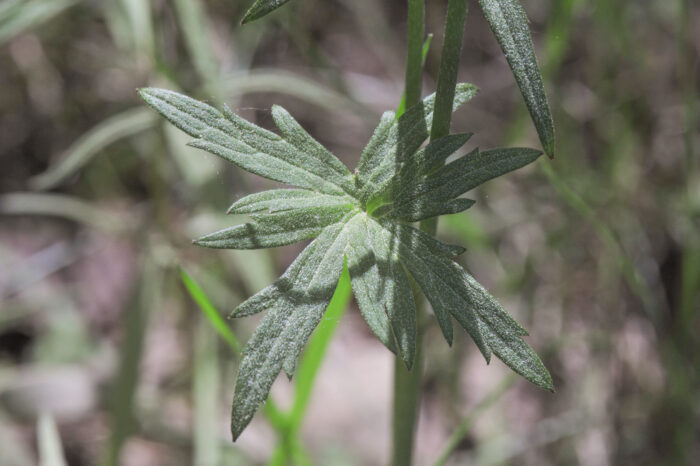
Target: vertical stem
{"x":414,"y":55}
{"x":407,"y":383}
{"x":449,"y":66}
{"x":447,"y":79}
{"x":407,"y":386}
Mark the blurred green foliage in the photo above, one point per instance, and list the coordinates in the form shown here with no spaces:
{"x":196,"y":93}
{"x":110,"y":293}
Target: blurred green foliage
{"x":597,"y":251}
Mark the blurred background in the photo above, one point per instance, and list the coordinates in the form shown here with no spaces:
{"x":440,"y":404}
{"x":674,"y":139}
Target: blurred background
{"x":104,"y":355}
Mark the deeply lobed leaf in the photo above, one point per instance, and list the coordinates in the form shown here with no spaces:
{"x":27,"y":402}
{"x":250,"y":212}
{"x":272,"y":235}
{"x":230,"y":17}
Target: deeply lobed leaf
{"x":294,"y":305}
{"x":362,"y":219}
{"x":382,"y":290}
{"x":465,"y":174}
{"x":395,"y":141}
{"x":277,"y":229}
{"x":250,"y":147}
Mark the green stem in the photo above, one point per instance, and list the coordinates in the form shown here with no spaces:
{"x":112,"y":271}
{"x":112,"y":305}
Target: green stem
{"x":414,"y":56}
{"x":407,"y":383}
{"x":449,"y":66}
{"x":407,"y":387}
{"x":447,"y":80}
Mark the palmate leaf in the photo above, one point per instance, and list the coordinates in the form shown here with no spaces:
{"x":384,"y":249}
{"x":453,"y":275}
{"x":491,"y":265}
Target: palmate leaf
{"x":363,"y":219}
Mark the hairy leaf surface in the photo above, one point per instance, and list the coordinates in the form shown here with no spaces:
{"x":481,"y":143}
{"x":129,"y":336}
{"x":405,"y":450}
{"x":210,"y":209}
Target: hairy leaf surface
{"x":394,"y":141}
{"x":363,"y":219}
{"x":509,"y":24}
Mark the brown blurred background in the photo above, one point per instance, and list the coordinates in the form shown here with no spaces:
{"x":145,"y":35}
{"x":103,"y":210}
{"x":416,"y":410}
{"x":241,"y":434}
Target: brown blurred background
{"x":597,"y":252}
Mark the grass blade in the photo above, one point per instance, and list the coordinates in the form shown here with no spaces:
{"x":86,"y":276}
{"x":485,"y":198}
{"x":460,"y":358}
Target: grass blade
{"x":89,"y":145}
{"x":124,"y":388}
{"x":210,"y":312}
{"x":50,"y":449}
{"x":316,"y":349}
{"x":18,"y":16}
{"x":63,"y":206}
{"x":276,"y":417}
{"x":193,"y":22}
{"x":266,"y":80}
{"x":138,"y":13}
{"x":205,"y":392}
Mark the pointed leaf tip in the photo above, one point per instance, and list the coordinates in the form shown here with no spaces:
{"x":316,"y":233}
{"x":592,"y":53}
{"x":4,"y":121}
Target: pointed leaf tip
{"x":261,"y":8}
{"x":509,"y":23}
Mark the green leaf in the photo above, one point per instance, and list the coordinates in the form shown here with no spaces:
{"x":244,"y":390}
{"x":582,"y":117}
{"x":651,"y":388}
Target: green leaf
{"x":261,"y":8}
{"x":278,"y":229}
{"x":279,"y":200}
{"x":330,"y":167}
{"x":234,"y":139}
{"x":436,"y":194}
{"x":417,"y":254}
{"x":383,"y":291}
{"x":509,"y":24}
{"x":413,"y":170}
{"x":452,"y":290}
{"x":426,"y":160}
{"x":421,"y":209}
{"x":394,"y":141}
{"x":294,"y":308}
{"x":503,"y":334}
{"x":465,"y":174}
{"x":361,"y":220}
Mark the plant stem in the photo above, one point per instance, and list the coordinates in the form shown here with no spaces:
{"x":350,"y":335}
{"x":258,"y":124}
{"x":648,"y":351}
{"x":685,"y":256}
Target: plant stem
{"x":407,"y":387}
{"x":447,"y":80}
{"x":449,"y":66}
{"x":414,"y":55}
{"x":407,"y":383}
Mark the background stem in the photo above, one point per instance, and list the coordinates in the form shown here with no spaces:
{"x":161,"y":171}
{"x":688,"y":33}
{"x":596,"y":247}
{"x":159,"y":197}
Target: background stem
{"x":407,"y":383}
{"x":414,"y":59}
{"x":449,"y":66}
{"x":407,"y":387}
{"x":447,"y":80}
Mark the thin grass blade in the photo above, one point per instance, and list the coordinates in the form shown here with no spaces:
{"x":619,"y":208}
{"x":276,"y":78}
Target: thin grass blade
{"x":90,"y":145}
{"x":50,"y":448}
{"x":210,"y":312}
